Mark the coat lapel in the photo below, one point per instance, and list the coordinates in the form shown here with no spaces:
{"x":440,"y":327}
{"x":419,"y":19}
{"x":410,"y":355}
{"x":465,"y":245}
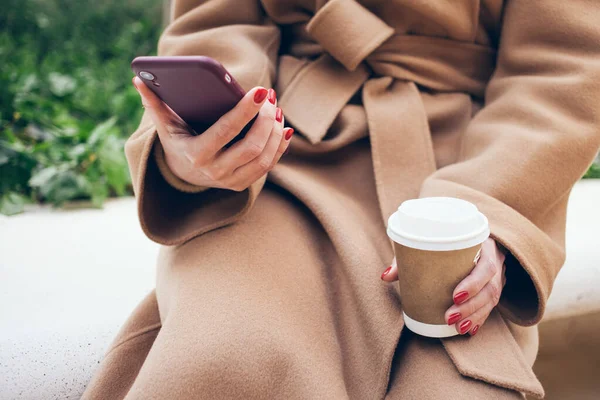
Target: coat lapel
{"x":494,"y":356}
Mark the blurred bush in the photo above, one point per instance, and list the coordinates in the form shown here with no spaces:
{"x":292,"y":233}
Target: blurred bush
{"x":66,"y":99}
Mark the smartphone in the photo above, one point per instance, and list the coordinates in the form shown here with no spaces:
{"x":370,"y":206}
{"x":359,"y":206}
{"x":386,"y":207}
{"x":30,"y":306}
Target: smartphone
{"x":197,"y":88}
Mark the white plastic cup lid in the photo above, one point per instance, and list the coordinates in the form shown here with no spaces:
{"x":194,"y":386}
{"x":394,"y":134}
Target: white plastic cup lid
{"x":438,"y":224}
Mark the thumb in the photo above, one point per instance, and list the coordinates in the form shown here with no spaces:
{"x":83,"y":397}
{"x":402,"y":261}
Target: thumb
{"x":150,"y":101}
{"x":391,"y":273}
{"x":162,"y":116}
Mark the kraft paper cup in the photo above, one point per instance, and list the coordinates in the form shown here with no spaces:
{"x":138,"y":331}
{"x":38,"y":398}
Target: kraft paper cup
{"x":437,"y":242}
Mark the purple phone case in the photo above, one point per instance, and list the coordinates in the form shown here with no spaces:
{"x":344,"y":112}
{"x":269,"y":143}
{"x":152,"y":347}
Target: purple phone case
{"x":199,"y":89}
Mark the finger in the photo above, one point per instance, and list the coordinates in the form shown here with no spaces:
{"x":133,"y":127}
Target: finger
{"x":161,"y":115}
{"x":485,"y":269}
{"x":251,"y":146}
{"x":231,"y":124}
{"x":488,"y":296}
{"x":475,"y":320}
{"x":149,"y":99}
{"x":285,"y":143}
{"x":286,"y":138}
{"x":391,"y":273}
{"x":247,"y":174}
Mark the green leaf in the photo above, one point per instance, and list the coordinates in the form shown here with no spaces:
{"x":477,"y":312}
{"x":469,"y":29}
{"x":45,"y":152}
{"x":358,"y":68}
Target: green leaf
{"x":5,"y":155}
{"x":12,"y":203}
{"x":61,"y":85}
{"x":99,"y":193}
{"x":66,"y":125}
{"x":42,"y":177}
{"x":114,"y":165}
{"x":29,"y":83}
{"x":78,"y":150}
{"x":64,"y":186}
{"x":101,"y":131}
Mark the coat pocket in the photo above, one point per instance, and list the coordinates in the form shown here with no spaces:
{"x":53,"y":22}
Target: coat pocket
{"x":494,"y":356}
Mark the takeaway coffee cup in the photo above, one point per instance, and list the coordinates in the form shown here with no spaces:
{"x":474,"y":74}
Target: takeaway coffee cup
{"x":437,"y":241}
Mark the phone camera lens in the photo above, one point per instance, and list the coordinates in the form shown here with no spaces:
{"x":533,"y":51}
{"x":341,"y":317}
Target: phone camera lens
{"x":228,"y":78}
{"x":147,"y":76}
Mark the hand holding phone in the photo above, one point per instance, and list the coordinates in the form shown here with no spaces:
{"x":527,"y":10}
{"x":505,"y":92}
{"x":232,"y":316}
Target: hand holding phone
{"x":206,"y":160}
{"x":197,"y":88}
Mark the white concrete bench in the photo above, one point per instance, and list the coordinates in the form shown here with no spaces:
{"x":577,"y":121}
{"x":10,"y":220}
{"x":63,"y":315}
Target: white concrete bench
{"x":68,"y":280}
{"x":568,"y":362}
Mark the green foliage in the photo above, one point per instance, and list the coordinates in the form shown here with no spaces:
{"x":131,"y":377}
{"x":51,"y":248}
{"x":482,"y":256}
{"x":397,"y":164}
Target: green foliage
{"x":594,"y":171}
{"x":67,"y":102}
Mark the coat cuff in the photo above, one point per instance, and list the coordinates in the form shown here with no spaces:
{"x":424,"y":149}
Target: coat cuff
{"x":533,"y":259}
{"x":169,"y":176}
{"x":169,"y":215}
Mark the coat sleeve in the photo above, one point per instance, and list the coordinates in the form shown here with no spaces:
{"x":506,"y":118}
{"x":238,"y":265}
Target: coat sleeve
{"x":535,"y":137}
{"x":238,"y":34}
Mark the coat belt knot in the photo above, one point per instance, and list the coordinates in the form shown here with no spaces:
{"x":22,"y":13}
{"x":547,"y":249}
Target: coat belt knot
{"x":388,"y":67}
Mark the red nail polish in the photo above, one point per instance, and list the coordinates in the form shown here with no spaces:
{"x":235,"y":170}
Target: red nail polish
{"x":453,"y":318}
{"x":474,"y":330}
{"x":289,"y":133}
{"x":272,"y":96}
{"x":386,"y":271}
{"x":278,"y":115}
{"x":464,"y":327}
{"x":260,"y":95}
{"x":461,"y":297}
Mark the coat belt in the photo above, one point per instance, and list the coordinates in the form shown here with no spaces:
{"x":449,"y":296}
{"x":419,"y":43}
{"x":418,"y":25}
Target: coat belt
{"x":359,"y":50}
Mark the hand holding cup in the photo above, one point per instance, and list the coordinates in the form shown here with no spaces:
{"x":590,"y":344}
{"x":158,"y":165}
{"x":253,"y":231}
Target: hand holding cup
{"x":448,"y":270}
{"x":476,"y":295}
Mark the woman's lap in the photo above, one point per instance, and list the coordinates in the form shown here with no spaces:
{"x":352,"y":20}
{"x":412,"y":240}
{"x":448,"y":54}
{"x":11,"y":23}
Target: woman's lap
{"x":245,"y":311}
{"x":252,"y":311}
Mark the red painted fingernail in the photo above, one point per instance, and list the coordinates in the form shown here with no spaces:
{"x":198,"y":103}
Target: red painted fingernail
{"x":453,"y":318}
{"x":289,"y":133}
{"x":387,"y":271}
{"x":260,"y":95}
{"x":272,"y":96}
{"x":474,"y":330}
{"x":464,"y":327}
{"x":278,"y":115}
{"x":461,"y":297}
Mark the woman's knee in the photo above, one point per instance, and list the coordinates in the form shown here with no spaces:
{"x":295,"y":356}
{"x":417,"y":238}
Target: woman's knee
{"x":242,"y":359}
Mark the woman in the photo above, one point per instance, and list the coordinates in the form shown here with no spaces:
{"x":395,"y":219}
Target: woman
{"x":268,"y":285}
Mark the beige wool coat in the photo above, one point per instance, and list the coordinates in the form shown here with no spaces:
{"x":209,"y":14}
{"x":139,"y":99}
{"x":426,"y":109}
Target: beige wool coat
{"x":274,"y":292}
